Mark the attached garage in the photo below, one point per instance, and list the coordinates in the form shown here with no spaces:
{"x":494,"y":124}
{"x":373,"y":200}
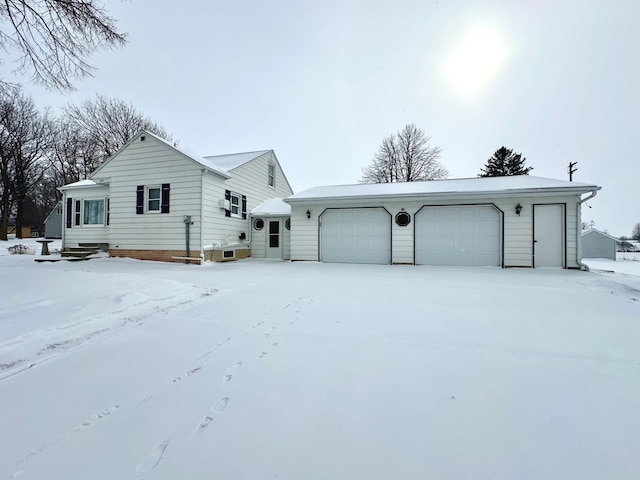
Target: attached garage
{"x":355,"y":235}
{"x":464,"y":235}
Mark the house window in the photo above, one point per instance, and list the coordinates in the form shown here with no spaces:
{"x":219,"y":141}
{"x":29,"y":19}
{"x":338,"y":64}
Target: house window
{"x":153,"y":199}
{"x":93,"y":213}
{"x":78,"y":213}
{"x":258,"y":224}
{"x":108,"y":210}
{"x":235,"y":204}
{"x":272,"y":175}
{"x":403,"y":219}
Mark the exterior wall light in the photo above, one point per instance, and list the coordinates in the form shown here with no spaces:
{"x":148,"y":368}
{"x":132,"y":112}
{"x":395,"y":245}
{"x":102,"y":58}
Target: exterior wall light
{"x":308,"y":214}
{"x":518,"y":209}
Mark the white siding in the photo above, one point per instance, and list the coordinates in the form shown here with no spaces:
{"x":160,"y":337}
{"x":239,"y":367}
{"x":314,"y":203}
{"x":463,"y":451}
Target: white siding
{"x":150,"y":162}
{"x":259,"y":239}
{"x":251,"y":180}
{"x":518,"y":230}
{"x":83,"y":233}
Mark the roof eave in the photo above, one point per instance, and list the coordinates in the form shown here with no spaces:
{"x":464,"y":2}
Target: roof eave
{"x":453,"y":194}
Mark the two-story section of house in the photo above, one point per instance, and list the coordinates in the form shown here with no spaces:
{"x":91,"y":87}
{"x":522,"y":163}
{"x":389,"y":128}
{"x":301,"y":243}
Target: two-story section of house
{"x":155,"y":201}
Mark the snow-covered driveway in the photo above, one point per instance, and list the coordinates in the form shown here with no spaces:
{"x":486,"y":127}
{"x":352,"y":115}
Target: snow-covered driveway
{"x":120,"y":369}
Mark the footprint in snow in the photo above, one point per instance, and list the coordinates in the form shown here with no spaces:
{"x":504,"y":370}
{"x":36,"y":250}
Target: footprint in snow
{"x":216,"y":409}
{"x":265,"y":353}
{"x":194,"y":371}
{"x":153,"y":459}
{"x":229,"y":373}
{"x":107,"y":411}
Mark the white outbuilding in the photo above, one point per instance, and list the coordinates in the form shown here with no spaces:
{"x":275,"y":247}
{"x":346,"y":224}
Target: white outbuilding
{"x":518,"y":221}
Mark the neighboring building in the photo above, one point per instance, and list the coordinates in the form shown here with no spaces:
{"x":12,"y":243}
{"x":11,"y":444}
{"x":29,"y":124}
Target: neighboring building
{"x":519,"y":221}
{"x":27,"y":231}
{"x":154,"y":201}
{"x":53,"y":222}
{"x":597,"y":244}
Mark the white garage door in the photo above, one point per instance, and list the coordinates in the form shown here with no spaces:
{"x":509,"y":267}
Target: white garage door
{"x":355,"y":235}
{"x":458,"y":235}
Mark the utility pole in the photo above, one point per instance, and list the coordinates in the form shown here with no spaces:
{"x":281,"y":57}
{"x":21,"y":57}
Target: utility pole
{"x":571,"y":168}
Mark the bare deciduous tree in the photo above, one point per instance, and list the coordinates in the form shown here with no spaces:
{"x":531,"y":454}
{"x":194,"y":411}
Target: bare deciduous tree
{"x":405,"y":157}
{"x":110,"y":123}
{"x":54,"y":38}
{"x":24,"y":137}
{"x":635,"y":233}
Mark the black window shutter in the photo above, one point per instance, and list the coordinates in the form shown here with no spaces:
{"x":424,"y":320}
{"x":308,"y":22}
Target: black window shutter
{"x":69,"y":212}
{"x":227,"y":197}
{"x":165,"y":198}
{"x":140,"y":200}
{"x":244,"y":206}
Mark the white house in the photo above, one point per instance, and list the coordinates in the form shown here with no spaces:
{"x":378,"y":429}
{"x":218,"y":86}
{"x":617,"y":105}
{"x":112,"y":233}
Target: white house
{"x":519,"y":221}
{"x":155,"y":201}
{"x":597,"y":244}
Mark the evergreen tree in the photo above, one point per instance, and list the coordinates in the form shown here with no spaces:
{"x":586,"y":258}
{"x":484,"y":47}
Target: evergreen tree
{"x":505,"y":162}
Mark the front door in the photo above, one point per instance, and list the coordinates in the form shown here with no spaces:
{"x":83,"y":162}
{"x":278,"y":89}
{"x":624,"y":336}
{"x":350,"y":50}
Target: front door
{"x":548,"y":235}
{"x":274,"y":240}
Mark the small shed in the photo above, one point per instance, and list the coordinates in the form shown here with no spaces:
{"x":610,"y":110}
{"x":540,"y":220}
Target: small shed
{"x":597,"y":244}
{"x":53,"y":222}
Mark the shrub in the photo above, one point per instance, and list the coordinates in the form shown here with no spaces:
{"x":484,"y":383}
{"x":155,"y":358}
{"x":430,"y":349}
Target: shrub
{"x":20,"y":249}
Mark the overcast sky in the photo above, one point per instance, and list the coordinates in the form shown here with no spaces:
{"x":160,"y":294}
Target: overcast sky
{"x":321,"y":83}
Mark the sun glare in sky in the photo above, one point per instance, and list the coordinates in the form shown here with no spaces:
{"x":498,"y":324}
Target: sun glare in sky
{"x":475,"y":60}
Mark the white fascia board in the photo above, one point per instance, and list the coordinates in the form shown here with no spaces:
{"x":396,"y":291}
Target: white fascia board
{"x":448,"y":195}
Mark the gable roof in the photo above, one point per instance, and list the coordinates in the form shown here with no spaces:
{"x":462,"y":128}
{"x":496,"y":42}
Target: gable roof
{"x":208,"y":164}
{"x":598,"y":232}
{"x":234,"y":160}
{"x":520,"y":184}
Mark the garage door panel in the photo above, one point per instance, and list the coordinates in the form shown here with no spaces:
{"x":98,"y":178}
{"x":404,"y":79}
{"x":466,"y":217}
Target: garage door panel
{"x":356,"y":235}
{"x":457,"y":235}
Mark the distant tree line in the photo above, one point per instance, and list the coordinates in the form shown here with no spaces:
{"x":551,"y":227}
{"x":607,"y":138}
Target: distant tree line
{"x":40,"y":152}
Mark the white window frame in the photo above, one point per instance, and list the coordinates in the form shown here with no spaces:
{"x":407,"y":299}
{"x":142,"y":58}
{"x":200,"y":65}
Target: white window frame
{"x":83,"y":218}
{"x":147,"y":198}
{"x":237,"y":206}
{"x":271,"y":175}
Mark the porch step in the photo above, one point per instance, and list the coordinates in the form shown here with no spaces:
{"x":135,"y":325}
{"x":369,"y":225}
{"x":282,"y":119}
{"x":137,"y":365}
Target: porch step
{"x":78,"y":253}
{"x":104,"y":247}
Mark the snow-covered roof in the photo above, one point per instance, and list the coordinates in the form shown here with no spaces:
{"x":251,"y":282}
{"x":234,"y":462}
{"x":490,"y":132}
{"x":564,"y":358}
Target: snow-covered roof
{"x":596,"y":231}
{"x":205,"y":162}
{"x":272,"y":207}
{"x":234,"y":160}
{"x":521,"y":184}
{"x":81,"y":183}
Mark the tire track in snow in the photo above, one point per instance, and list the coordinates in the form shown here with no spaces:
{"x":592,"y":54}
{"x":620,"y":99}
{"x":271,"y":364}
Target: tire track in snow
{"x":46,"y":346}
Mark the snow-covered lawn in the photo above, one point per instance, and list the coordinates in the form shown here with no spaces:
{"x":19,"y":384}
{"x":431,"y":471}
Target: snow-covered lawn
{"x":121,"y":369}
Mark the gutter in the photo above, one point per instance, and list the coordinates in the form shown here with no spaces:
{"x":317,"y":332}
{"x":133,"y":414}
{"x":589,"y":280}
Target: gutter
{"x":583,"y":267}
{"x":442,"y":195}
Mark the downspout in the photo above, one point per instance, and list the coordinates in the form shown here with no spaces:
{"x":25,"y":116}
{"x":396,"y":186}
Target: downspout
{"x":64,"y":219}
{"x":202,"y":216}
{"x":583,"y":267}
